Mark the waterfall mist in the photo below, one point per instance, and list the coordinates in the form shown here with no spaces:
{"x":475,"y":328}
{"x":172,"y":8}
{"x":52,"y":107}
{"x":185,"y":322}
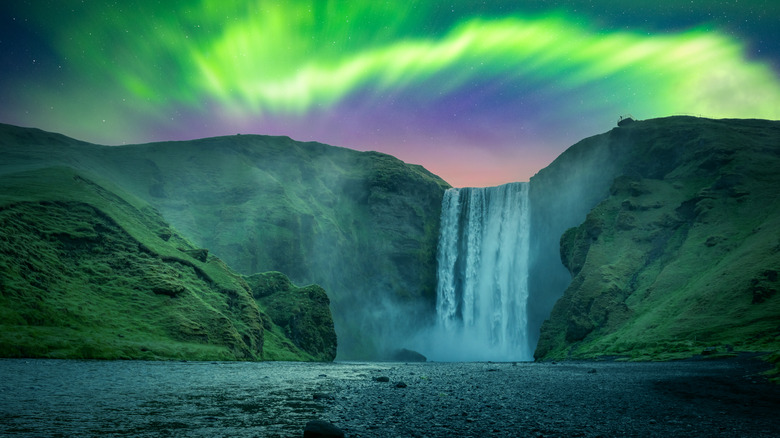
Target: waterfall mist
{"x":482,"y":289}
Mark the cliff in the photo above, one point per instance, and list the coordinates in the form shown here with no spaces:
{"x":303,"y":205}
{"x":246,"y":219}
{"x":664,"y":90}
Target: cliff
{"x":302,"y":314}
{"x":680,"y":253}
{"x":89,"y":271}
{"x":363,"y":225}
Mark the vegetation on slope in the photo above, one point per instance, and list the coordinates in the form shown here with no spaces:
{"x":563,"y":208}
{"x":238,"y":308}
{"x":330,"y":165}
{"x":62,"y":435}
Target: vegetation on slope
{"x":364,"y":225}
{"x":89,"y":273}
{"x":682,"y":257}
{"x":301,"y":316}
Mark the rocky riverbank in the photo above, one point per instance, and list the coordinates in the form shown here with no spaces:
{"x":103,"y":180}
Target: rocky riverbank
{"x":726,"y":397}
{"x":713,"y":398}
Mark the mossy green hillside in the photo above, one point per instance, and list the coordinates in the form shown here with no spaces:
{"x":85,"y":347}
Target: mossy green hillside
{"x":682,"y":257}
{"x":364,"y":225}
{"x":91,"y":272}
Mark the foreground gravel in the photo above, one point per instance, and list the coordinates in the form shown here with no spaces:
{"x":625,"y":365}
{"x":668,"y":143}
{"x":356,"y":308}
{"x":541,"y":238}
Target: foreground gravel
{"x":589,"y":399}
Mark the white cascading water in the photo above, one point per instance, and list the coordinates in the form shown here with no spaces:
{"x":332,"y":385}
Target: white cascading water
{"x":482,"y":288}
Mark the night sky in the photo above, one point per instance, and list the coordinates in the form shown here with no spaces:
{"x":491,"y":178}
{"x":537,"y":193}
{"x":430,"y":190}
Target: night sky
{"x":480,"y":93}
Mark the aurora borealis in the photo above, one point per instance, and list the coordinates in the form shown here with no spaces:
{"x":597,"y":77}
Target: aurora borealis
{"x":480,"y":94}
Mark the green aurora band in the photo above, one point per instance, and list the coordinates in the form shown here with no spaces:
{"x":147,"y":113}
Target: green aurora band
{"x":251,"y":61}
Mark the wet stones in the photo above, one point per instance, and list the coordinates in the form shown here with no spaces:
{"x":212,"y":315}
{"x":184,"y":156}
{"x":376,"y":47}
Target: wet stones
{"x":385,"y":379}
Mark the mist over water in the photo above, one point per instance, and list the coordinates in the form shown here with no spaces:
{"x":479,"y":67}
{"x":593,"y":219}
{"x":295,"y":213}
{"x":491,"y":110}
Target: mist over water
{"x":482,"y":289}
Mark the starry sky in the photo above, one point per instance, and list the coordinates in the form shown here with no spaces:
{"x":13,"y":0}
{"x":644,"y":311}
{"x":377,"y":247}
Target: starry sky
{"x":480,"y":93}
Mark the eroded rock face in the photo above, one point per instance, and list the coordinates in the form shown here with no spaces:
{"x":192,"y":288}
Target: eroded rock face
{"x":681,"y":253}
{"x":303,"y":313}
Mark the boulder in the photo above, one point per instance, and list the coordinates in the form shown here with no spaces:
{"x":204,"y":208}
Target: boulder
{"x":404,"y":355}
{"x":321,"y":429}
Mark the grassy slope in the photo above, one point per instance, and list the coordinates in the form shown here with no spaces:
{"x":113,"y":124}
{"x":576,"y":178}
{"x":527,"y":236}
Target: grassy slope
{"x":90,"y":273}
{"x":309,"y":210}
{"x":264,"y":203}
{"x":684,"y":253}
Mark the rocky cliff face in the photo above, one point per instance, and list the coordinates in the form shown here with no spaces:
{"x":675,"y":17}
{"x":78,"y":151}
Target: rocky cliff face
{"x":560,"y":196}
{"x":88,"y":271}
{"x":363,"y":225}
{"x":302,"y":314}
{"x":680,"y":256}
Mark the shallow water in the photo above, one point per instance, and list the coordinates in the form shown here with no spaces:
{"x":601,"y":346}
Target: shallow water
{"x":50,"y":398}
{"x":137,"y":398}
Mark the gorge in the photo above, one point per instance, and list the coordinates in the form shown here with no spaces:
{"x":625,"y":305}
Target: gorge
{"x":633,"y":243}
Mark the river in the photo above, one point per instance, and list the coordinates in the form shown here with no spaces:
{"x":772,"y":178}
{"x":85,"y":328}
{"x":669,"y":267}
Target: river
{"x":64,"y":398}
{"x":143,"y":399}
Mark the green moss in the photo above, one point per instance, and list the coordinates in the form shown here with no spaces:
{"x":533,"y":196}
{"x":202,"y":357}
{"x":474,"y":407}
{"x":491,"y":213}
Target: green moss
{"x":681,"y":257}
{"x":269,"y":283}
{"x":301,"y":316}
{"x":269,"y":204}
{"x":87,"y":274}
{"x":774,"y":373}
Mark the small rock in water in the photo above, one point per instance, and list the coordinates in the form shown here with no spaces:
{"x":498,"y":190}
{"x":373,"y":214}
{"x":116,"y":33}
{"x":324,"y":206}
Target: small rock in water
{"x":322,"y":396}
{"x":592,"y":371}
{"x":321,"y":429}
{"x":400,"y":385}
{"x":382,"y":379}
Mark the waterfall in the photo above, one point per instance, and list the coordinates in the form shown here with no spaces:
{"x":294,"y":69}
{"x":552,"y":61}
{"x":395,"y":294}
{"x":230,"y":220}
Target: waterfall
{"x":482,"y":287}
